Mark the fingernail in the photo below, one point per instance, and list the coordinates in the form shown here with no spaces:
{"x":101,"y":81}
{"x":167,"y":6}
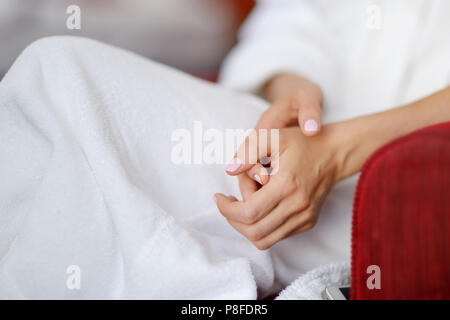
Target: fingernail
{"x":234,"y":164}
{"x":311,"y":125}
{"x":257,"y":178}
{"x":215,"y":198}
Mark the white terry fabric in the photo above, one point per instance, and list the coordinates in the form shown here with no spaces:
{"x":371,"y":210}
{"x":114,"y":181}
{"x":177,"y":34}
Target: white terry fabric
{"x":86,"y":179}
{"x":311,"y":285}
{"x":362,"y":67}
{"x":366,"y":55}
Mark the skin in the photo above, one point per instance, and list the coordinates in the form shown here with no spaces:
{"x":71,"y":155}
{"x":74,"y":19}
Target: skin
{"x":294,"y":100}
{"x":308,"y":166}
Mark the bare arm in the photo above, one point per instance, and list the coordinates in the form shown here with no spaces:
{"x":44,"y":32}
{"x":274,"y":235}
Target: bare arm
{"x":359,"y":138}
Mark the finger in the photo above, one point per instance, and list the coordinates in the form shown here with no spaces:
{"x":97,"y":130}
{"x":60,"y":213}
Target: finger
{"x":279,"y":115}
{"x":247,"y":186}
{"x":256,"y":146}
{"x":270,"y":119}
{"x":277,"y":217}
{"x":315,"y":210}
{"x":229,"y":198}
{"x":218,"y":197}
{"x":255,"y":207}
{"x":259,"y":174}
{"x":309,"y":103}
{"x":295,"y":222}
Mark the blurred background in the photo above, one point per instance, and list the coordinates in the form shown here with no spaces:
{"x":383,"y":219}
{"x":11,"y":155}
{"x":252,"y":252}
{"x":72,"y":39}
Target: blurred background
{"x":191,"y":35}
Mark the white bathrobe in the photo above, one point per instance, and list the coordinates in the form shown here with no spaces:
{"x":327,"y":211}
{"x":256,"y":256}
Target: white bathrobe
{"x":367,"y":55}
{"x":91,"y":203}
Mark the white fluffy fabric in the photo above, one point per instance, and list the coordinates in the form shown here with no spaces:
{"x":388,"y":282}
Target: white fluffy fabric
{"x":86,"y":175}
{"x":311,"y":285}
{"x":366,"y":55}
{"x":87,"y":180}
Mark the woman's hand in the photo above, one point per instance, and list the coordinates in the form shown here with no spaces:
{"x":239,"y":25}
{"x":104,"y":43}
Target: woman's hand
{"x":303,"y":171}
{"x":305,"y":168}
{"x":295,"y":101}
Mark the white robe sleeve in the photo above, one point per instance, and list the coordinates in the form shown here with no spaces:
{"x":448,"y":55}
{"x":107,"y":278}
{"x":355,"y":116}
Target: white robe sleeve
{"x":282,"y":36}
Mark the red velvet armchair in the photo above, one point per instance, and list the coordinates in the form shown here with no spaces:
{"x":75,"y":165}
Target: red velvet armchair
{"x":401,"y":219}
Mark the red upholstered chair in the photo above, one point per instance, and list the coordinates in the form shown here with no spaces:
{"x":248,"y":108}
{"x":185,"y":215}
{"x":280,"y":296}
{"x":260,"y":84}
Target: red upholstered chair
{"x":401,"y":219}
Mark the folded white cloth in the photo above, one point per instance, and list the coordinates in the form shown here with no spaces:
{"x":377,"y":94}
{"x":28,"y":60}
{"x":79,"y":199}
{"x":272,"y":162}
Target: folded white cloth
{"x":311,"y":285}
{"x":87,"y":180}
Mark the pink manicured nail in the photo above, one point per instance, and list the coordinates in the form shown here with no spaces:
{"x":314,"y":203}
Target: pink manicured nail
{"x":234,"y":165}
{"x":215,"y":199}
{"x":257,"y":178}
{"x":311,"y":125}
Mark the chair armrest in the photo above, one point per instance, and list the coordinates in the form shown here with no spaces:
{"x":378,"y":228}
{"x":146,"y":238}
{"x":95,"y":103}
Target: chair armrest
{"x":401,"y":219}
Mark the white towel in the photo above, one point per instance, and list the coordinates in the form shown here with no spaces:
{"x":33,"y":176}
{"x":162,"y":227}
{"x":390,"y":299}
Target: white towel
{"x":311,"y":285}
{"x":87,"y":184}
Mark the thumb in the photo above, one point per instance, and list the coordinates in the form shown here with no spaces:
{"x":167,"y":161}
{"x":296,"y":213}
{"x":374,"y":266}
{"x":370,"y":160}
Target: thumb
{"x":310,"y":111}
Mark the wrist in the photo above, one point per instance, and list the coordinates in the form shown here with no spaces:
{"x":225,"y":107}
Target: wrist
{"x":352,"y":142}
{"x":345,"y":142}
{"x":356,"y":139}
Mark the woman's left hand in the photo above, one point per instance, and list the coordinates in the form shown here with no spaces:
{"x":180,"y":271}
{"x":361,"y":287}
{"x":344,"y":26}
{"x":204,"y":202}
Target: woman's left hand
{"x":303,"y":171}
{"x":295,"y":101}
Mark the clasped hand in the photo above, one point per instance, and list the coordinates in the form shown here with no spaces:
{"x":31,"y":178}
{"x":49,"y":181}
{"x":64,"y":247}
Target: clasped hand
{"x":288,"y":200}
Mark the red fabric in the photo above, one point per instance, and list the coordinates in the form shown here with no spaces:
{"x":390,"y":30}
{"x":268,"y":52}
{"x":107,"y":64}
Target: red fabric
{"x":401,"y":219}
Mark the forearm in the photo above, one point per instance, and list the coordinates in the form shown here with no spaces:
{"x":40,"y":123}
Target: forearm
{"x":359,"y":138}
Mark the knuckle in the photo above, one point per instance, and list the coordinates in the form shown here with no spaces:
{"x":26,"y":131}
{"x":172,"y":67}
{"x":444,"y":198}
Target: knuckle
{"x":312,"y":223}
{"x":315,"y":90}
{"x":219,"y":207}
{"x":309,"y":226}
{"x":289,"y":182}
{"x":300,"y":93}
{"x":250,"y":214}
{"x":261,"y":245}
{"x":309,"y":92}
{"x":309,"y":215}
{"x":302,"y":202}
{"x":253,"y":234}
